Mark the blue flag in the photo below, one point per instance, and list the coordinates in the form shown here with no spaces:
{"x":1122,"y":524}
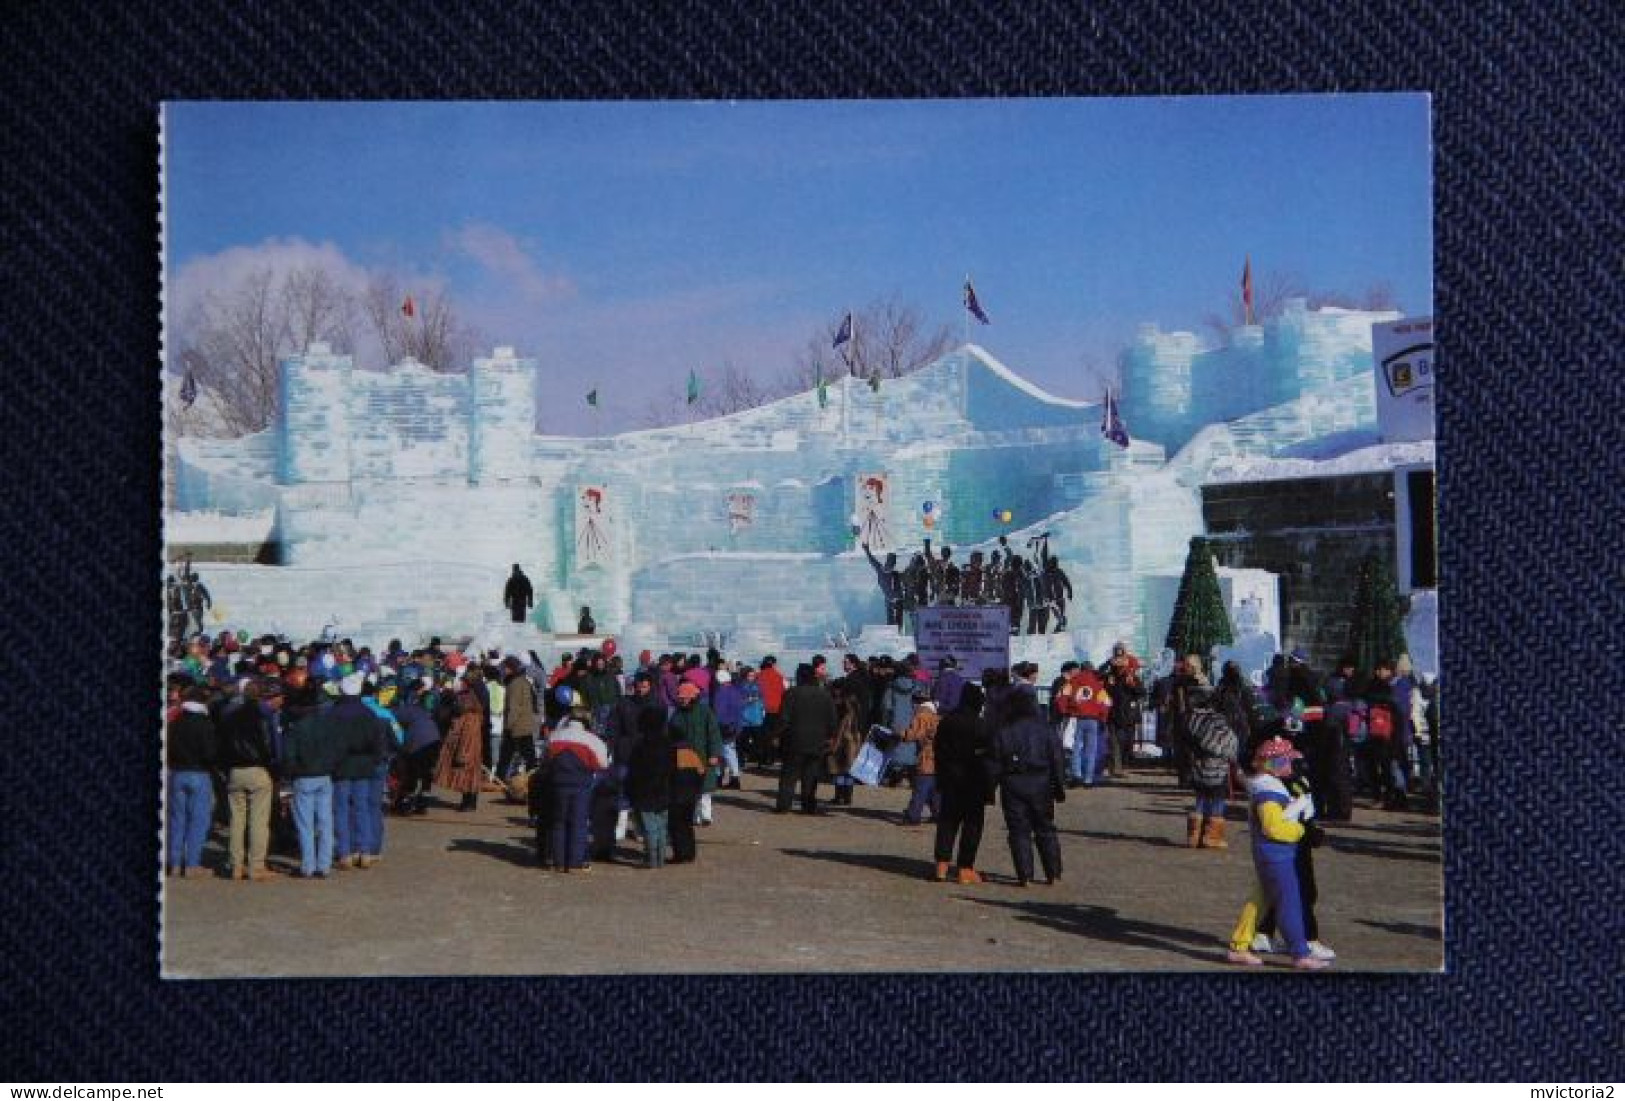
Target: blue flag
{"x":973,"y":305}
{"x":844,"y":333}
{"x":1111,"y":425}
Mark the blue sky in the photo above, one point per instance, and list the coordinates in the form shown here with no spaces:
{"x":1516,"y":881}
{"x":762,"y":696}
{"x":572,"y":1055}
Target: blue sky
{"x":623,"y":243}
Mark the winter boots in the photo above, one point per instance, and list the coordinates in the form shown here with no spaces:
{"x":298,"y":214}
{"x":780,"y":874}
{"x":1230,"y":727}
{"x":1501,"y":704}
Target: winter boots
{"x":1213,"y":834}
{"x":1193,"y":837}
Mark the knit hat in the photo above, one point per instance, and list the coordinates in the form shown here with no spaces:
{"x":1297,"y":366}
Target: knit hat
{"x":1275,"y":747}
{"x":688,"y":690}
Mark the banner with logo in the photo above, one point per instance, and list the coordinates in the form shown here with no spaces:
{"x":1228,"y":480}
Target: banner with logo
{"x":976,"y":637}
{"x":1402,"y":352}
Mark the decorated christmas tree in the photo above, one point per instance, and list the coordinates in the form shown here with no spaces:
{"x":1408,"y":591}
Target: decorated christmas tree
{"x":1376,"y":625}
{"x":1200,"y":621}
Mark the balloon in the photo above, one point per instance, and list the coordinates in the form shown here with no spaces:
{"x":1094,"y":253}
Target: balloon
{"x":609,"y":647}
{"x":242,"y":636}
{"x":930,"y":523}
{"x":1007,"y":516}
{"x":927,"y":506}
{"x":997,"y":515}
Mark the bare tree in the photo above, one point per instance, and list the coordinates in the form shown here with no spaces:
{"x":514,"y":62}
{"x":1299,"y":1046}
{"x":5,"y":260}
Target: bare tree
{"x":231,"y":341}
{"x":229,"y":344}
{"x":890,"y":339}
{"x":432,"y":333}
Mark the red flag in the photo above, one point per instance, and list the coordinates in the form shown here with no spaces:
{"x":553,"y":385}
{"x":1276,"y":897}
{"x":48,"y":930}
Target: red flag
{"x":407,"y":308}
{"x":1247,"y":289}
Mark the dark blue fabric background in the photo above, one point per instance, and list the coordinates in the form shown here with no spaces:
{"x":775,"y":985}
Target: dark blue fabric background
{"x":1528,"y":120}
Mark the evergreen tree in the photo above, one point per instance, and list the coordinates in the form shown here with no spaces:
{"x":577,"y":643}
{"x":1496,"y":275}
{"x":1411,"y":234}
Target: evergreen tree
{"x":1200,"y":621}
{"x":1376,"y":625}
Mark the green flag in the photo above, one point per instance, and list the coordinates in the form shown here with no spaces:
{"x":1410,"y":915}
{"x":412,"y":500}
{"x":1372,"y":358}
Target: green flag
{"x":693,"y":387}
{"x":592,"y":398}
{"x":823,"y":391}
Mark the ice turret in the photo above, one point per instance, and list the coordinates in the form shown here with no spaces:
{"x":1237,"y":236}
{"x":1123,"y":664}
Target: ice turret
{"x":502,"y":417}
{"x":315,"y":428}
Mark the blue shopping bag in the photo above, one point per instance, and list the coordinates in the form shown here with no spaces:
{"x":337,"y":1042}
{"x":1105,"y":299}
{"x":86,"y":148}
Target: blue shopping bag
{"x":869,"y":765}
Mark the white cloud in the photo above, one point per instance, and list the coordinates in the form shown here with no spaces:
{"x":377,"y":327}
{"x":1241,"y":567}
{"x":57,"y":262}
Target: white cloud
{"x":501,"y":253}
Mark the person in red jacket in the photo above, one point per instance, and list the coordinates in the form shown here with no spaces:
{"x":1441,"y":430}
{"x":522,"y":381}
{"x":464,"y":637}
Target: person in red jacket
{"x":773,"y":686}
{"x":1084,"y":702}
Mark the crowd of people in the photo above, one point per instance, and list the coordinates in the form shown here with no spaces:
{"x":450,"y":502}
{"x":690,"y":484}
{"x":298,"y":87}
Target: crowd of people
{"x":317,"y":739}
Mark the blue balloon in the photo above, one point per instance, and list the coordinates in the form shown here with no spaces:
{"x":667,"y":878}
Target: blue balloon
{"x":928,"y":506}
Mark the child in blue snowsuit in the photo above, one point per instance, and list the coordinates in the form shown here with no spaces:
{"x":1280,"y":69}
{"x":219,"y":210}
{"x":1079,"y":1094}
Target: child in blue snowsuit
{"x":1277,"y":825}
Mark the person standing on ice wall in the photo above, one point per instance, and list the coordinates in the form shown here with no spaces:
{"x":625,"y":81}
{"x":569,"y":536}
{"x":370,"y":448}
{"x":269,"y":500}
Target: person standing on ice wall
{"x":517,"y":595}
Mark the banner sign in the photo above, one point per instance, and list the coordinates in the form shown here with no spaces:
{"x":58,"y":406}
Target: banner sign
{"x":872,"y":517}
{"x":976,"y":637}
{"x":1402,"y":353}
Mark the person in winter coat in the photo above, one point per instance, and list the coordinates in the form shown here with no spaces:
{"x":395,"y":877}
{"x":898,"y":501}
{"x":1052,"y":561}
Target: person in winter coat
{"x":773,"y":689}
{"x":359,"y":736}
{"x":898,"y":702}
{"x":948,"y":686}
{"x":1032,"y":779}
{"x":1331,"y":769}
{"x":851,"y":729}
{"x":244,"y":752}
{"x":890,"y":580}
{"x":520,"y":719}
{"x":752,"y":714}
{"x":1213,"y":748}
{"x":460,"y":767}
{"x":314,"y":752}
{"x":809,"y":722}
{"x":696,"y":724}
{"x":1385,"y":731}
{"x":623,"y":734}
{"x":1277,"y":825}
{"x":1126,"y":687}
{"x":419,"y":753}
{"x":517,"y":595}
{"x":689,"y":770}
{"x":1303,"y":863}
{"x":962,"y":749}
{"x":922,"y":731}
{"x":574,"y":756}
{"x":1083,"y":701}
{"x":729,"y":704}
{"x":189,"y":753}
{"x":648,"y":782}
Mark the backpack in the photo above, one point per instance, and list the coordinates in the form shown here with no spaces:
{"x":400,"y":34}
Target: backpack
{"x":1381,"y":722}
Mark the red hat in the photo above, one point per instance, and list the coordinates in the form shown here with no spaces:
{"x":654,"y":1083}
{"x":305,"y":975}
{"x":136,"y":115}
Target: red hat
{"x":688,"y":690}
{"x":1275,"y":747}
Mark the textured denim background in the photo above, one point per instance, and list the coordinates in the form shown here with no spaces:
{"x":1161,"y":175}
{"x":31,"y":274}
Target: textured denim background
{"x":1528,"y":121}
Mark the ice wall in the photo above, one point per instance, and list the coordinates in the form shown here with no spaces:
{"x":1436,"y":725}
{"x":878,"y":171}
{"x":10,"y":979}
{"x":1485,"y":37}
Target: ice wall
{"x":1173,"y":385}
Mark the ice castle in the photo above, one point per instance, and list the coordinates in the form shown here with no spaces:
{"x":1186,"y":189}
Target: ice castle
{"x":397,"y":501}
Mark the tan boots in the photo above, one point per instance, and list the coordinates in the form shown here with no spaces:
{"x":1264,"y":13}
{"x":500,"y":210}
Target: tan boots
{"x":1205,"y":832}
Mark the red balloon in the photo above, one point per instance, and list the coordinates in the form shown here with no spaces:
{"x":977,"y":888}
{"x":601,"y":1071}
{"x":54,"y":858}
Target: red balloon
{"x":609,"y":647}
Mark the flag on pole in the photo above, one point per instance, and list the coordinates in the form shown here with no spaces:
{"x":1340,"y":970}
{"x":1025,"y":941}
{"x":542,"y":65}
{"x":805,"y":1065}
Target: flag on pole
{"x":1111,"y":424}
{"x":407,"y":308}
{"x":592,"y":397}
{"x":693,"y":387}
{"x":844,"y":333}
{"x":823,"y":390}
{"x":1247,"y":289}
{"x":188,"y":391}
{"x":973,"y":305}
